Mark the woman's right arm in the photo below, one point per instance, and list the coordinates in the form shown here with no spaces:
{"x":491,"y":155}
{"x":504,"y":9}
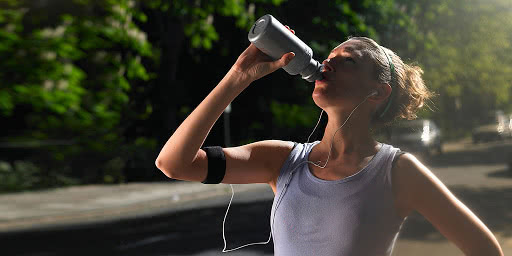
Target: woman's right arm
{"x":181,"y":157}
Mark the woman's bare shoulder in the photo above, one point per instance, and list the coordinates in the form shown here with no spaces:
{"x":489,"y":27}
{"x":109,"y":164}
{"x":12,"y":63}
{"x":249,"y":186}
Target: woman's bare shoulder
{"x":407,"y":173}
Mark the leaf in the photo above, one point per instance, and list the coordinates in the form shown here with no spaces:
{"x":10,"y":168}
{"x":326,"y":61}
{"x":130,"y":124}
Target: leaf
{"x":6,"y":103}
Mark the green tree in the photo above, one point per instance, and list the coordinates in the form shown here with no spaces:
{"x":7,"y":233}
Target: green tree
{"x":75,"y":72}
{"x":66,"y":71}
{"x":465,"y":57}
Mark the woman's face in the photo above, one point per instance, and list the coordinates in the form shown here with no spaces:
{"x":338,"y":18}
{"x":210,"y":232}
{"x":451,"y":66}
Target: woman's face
{"x":348,"y":77}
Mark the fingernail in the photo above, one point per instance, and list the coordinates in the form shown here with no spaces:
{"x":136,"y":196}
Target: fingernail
{"x":290,"y":57}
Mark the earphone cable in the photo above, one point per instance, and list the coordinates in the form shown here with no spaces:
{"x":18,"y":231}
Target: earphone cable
{"x":224,"y":225}
{"x":318,"y":122}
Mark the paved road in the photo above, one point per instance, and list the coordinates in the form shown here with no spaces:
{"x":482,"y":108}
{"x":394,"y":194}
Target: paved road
{"x":186,"y":223}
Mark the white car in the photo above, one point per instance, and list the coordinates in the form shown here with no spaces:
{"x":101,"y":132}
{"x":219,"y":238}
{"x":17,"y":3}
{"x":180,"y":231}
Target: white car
{"x":422,"y":136}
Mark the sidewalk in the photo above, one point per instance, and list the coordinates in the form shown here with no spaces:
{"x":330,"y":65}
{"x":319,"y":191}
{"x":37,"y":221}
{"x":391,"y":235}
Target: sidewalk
{"x":98,"y":203}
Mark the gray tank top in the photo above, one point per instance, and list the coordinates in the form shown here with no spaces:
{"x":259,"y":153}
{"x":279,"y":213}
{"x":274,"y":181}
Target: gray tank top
{"x":351,"y":216}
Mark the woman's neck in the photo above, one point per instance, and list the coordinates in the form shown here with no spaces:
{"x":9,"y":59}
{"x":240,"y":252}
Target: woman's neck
{"x":352,"y":140}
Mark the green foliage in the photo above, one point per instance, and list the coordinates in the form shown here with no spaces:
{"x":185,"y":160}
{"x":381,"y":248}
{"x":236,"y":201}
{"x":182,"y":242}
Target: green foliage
{"x":70,"y":75}
{"x":18,"y":177}
{"x":22,"y":175}
{"x":113,"y":170}
{"x":74,"y":72}
{"x":198,"y":17}
{"x":293,"y":115}
{"x":466,"y":57}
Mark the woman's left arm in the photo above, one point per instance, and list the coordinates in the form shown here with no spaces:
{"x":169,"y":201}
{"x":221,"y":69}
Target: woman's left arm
{"x":420,"y":190}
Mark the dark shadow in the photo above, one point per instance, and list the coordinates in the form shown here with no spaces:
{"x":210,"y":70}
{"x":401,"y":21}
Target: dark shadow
{"x":181,"y":233}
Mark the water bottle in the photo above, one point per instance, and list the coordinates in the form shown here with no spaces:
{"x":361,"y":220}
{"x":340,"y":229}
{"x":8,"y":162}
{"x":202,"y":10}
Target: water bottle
{"x":274,"y":39}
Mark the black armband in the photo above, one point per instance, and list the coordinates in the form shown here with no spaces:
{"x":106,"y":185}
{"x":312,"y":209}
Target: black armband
{"x":216,"y":165}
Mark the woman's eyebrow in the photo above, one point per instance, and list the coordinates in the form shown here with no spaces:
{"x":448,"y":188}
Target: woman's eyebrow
{"x":354,"y":52}
{"x":348,"y":49}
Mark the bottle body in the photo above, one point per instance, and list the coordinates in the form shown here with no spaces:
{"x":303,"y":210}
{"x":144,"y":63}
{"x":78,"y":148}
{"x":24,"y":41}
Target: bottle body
{"x":274,"y":39}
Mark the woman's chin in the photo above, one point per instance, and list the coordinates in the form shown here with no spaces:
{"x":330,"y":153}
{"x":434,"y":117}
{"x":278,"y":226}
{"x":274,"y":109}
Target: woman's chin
{"x":319,"y":97}
{"x":319,"y":92}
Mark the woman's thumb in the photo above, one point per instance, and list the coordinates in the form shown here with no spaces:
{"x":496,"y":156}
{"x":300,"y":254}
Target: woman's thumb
{"x":288,"y":57}
{"x":285,"y":59}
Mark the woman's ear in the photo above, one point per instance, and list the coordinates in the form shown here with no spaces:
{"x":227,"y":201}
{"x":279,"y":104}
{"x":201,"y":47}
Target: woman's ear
{"x":383,"y":92}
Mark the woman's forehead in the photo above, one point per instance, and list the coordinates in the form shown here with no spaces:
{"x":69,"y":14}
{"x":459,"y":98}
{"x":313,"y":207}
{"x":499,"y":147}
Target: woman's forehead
{"x":354,"y":47}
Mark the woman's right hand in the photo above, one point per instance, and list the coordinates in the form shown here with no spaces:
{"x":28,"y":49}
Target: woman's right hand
{"x":253,"y":64}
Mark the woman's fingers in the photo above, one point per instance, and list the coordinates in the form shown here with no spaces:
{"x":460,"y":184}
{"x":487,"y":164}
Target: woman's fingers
{"x":254,"y":64}
{"x":293,"y":31}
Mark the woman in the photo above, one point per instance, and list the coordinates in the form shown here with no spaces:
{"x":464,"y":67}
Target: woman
{"x":346,"y":194}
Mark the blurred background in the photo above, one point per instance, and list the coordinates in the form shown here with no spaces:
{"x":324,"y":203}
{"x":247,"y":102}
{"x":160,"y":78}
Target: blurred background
{"x":91,"y":90}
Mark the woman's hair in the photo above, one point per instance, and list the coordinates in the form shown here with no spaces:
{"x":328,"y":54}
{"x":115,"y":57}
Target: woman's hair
{"x":409,"y":91}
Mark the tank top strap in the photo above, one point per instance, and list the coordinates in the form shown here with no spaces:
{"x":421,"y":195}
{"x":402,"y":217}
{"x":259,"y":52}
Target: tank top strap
{"x":397,"y":155}
{"x":296,"y":157}
{"x":394,"y":154}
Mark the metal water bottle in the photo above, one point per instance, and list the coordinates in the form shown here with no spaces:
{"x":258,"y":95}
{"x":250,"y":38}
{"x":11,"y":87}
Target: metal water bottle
{"x":274,"y":39}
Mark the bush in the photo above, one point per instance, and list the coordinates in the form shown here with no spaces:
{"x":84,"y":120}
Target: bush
{"x":19,"y":176}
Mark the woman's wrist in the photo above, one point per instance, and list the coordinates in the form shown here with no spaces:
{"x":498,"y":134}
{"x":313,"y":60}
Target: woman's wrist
{"x":238,"y":78}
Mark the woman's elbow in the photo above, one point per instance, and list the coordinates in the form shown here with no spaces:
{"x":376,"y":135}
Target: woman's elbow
{"x":169,"y":171}
{"x":179,"y":170}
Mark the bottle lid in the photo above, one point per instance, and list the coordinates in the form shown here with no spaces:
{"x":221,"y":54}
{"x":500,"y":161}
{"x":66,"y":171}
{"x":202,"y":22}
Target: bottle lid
{"x":259,"y":27}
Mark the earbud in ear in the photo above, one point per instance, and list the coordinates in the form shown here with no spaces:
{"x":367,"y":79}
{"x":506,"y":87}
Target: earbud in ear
{"x":374,"y":93}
